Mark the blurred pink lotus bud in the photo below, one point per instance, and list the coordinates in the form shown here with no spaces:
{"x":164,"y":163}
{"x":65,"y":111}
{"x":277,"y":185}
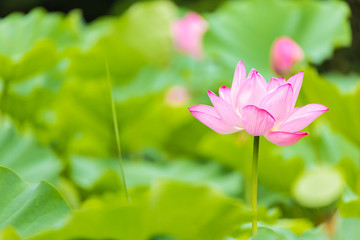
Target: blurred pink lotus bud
{"x":188,"y":33}
{"x":285,"y":53}
{"x":177,"y":96}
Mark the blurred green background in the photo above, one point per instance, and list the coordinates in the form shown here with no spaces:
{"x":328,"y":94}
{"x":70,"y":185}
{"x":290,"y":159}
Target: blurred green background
{"x":344,"y":60}
{"x":61,"y":177}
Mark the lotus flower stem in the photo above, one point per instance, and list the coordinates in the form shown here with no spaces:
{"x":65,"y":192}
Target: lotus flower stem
{"x":116,"y":128}
{"x":260,"y":108}
{"x":254,"y":184}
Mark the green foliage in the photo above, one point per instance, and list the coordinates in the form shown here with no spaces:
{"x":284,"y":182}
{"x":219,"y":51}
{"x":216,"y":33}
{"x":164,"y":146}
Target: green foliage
{"x":348,"y":228}
{"x":25,"y":155}
{"x":247,"y":29}
{"x":343,"y":107}
{"x":318,"y":188}
{"x":123,"y":43}
{"x":266,"y":233}
{"x":185,"y":181}
{"x":86,"y":173}
{"x":29,"y":208}
{"x":29,"y":42}
{"x":351,"y":208}
{"x":167,"y":208}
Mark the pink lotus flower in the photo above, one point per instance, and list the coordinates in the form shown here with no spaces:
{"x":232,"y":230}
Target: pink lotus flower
{"x":177,"y":96}
{"x":259,"y":108}
{"x":285,"y":53}
{"x":188,"y":33}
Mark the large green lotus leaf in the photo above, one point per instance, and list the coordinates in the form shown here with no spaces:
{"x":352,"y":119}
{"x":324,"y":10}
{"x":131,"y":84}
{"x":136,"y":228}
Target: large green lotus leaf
{"x":139,"y":102}
{"x":334,"y":147}
{"x":124,"y":61}
{"x":245,"y":30}
{"x":350,"y":204}
{"x":75,"y":120}
{"x":275,"y":172}
{"x":140,"y":36}
{"x":322,"y":146}
{"x":178,"y":199}
{"x":81,"y":118}
{"x":21,"y":32}
{"x":348,"y":228}
{"x":268,"y":234}
{"x":29,"y":208}
{"x":347,"y":84}
{"x":168,"y":208}
{"x":86,"y":172}
{"x":230,"y":150}
{"x":344,"y":113}
{"x":195,"y":76}
{"x":42,"y":57}
{"x":31,"y":101}
{"x":6,"y":70}
{"x":350,"y":170}
{"x":33,"y":111}
{"x":338,"y":228}
{"x":188,"y":171}
{"x":163,"y":120}
{"x":276,"y":231}
{"x":9,"y":233}
{"x":350,"y":208}
{"x":317,"y":233}
{"x":147,"y":26}
{"x":148,"y":81}
{"x":29,"y":43}
{"x":25,"y":155}
{"x":44,"y":101}
{"x":84,"y":117}
{"x":89,"y":173}
{"x":295,"y":225}
{"x":198,"y":76}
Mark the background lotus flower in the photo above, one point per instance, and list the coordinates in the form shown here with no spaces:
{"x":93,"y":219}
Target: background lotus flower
{"x":177,"y":96}
{"x":285,"y":53}
{"x":188,"y":33}
{"x":259,"y":108}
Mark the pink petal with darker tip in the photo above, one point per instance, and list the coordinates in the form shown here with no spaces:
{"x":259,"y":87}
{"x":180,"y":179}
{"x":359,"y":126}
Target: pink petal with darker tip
{"x":253,"y":90}
{"x":256,"y":121}
{"x":225,"y":93}
{"x":225,"y":110}
{"x":253,"y":74}
{"x":275,"y":83}
{"x":301,"y":117}
{"x":205,"y":116}
{"x":204,"y":109}
{"x":285,"y":138}
{"x":296,"y":82}
{"x":238,"y":81}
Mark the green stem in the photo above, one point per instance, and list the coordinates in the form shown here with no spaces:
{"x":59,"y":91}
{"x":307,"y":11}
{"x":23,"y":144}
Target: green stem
{"x":3,"y":100}
{"x":116,"y":128}
{"x":254,"y":184}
